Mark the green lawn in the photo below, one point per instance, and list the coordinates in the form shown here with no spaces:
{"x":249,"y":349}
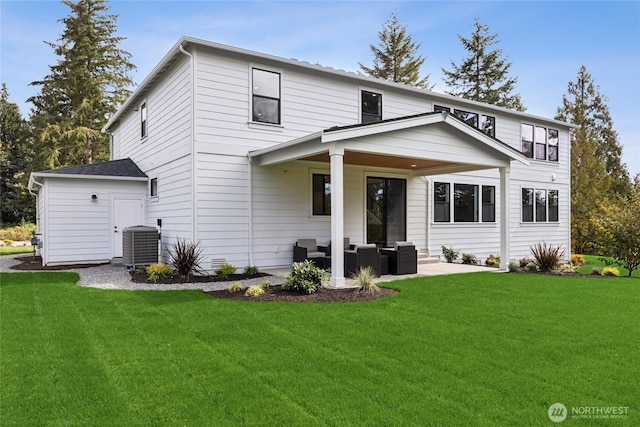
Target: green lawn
{"x":592,"y":261}
{"x":10,"y":250}
{"x":475,"y":349}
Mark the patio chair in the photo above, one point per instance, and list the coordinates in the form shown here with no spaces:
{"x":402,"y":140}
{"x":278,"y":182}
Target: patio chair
{"x":327,"y":249}
{"x":307,"y":249}
{"x":403,"y":258}
{"x":362,"y":256}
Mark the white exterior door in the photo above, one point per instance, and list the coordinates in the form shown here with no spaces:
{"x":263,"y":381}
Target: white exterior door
{"x":126,"y":213}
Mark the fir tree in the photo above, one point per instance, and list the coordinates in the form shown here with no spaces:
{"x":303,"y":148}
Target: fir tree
{"x":83,"y":89}
{"x":596,"y":166}
{"x":15,"y":157}
{"x":483,"y":76}
{"x":394,"y":58}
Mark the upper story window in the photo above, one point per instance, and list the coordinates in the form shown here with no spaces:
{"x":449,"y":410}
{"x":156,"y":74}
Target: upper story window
{"x":321,"y":194}
{"x":153,"y":187}
{"x":266,"y":96}
{"x":469,"y":118}
{"x":143,"y":120}
{"x":371,"y":107}
{"x":539,"y":142}
{"x":486,"y":124}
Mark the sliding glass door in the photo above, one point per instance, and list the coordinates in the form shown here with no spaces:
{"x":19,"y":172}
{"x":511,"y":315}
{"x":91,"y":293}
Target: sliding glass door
{"x":386,"y":211}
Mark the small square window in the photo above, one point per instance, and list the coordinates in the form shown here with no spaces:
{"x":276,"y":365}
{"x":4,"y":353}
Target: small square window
{"x":440,"y":108}
{"x":153,"y":187}
{"x":371,"y":107}
{"x":488,"y":125}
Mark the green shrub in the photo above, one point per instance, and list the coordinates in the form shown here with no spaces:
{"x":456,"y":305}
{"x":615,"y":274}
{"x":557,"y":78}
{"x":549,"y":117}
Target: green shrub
{"x":547,"y":256}
{"x":531,"y":266}
{"x":596,"y":271}
{"x":186,"y":257}
{"x":225,"y":270}
{"x":364,"y":278}
{"x":469,"y":259}
{"x":493,"y":261}
{"x":141,"y":269}
{"x":265,"y":284}
{"x":524,"y":262}
{"x":610,"y":271}
{"x":156,"y":271}
{"x":7,"y":242}
{"x":513,"y":266}
{"x":449,"y":253}
{"x":250,"y":270}
{"x":566,"y":267}
{"x":305,"y":277}
{"x":254,"y":291}
{"x":234,"y":287}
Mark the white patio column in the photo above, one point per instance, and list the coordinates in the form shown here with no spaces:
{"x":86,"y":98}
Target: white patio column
{"x":337,"y":217}
{"x":505,"y":226}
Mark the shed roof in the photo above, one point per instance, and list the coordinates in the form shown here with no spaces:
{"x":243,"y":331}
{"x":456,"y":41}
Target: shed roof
{"x":122,"y":167}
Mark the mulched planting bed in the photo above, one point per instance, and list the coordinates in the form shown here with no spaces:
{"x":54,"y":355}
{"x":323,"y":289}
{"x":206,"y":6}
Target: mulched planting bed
{"x":276,"y":293}
{"x":30,"y":262}
{"x":174,"y":278}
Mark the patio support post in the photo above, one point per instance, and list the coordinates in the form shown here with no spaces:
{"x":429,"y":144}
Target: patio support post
{"x":505,"y":227}
{"x":337,"y":217}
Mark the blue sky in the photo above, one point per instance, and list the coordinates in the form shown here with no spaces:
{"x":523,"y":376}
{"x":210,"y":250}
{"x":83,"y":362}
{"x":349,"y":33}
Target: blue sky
{"x":546,"y":42}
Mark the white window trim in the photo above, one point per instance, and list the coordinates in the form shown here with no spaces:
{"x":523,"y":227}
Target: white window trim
{"x":452,"y":222}
{"x":139,"y":110}
{"x":539,"y":223}
{"x":372,"y":90}
{"x":156,"y":197}
{"x":261,"y":125}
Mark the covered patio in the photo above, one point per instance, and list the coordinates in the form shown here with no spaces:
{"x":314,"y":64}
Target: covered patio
{"x":425,"y":144}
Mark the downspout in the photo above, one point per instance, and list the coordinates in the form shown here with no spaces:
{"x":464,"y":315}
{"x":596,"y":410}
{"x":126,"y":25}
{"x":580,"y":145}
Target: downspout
{"x":37,"y":196}
{"x":250,"y":207}
{"x":194,"y":216}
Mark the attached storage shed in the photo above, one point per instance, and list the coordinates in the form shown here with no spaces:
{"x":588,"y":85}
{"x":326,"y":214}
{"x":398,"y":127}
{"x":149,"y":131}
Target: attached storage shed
{"x":82,"y":211}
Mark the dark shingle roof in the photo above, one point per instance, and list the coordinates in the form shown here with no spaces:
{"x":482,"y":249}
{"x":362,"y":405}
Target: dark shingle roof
{"x":123,"y":167}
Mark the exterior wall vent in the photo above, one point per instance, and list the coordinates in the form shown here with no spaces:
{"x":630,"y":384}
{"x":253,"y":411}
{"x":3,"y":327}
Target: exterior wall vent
{"x":139,"y":246}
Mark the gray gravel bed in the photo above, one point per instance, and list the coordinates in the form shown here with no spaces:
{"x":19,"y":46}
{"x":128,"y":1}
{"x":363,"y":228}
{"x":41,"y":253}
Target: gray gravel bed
{"x":114,"y":276}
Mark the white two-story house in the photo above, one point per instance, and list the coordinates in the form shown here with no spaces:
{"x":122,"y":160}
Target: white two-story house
{"x":245,"y":153}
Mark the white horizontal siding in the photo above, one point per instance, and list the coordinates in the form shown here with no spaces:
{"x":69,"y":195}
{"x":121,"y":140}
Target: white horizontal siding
{"x":78,"y":228}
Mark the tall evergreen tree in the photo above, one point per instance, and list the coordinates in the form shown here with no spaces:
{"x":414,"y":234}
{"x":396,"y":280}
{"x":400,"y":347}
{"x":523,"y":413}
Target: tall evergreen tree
{"x":83,"y":89}
{"x":15,"y":157}
{"x":394,"y":58}
{"x":483,"y":76}
{"x":596,"y":166}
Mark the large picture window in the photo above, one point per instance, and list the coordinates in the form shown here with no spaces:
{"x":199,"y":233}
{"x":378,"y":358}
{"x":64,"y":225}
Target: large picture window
{"x":465,"y":207}
{"x":266,"y":96}
{"x":321,"y":194}
{"x":441,"y":209}
{"x":371,"y":107}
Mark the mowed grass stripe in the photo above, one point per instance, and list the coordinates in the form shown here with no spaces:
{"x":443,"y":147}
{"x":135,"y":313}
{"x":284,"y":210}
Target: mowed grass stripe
{"x":481,"y":349}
